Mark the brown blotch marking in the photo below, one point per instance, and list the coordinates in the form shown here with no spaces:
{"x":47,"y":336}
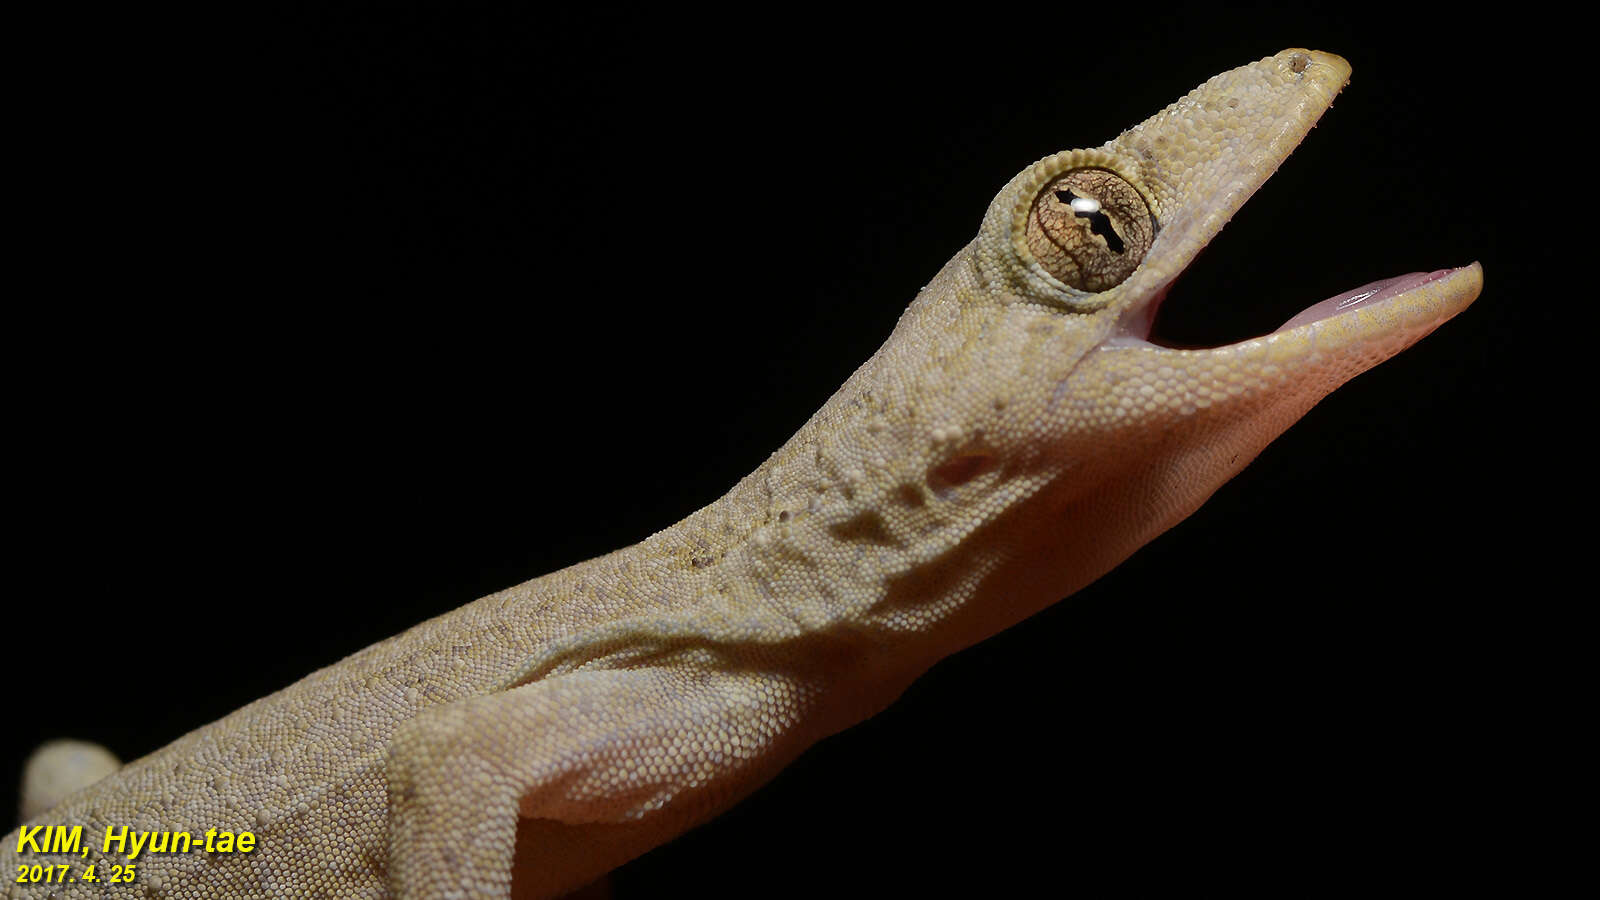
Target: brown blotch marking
{"x":910,"y":495}
{"x":955,"y":472}
{"x":866,"y":527}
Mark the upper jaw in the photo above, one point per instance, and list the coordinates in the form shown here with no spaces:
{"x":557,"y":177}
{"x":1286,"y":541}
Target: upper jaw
{"x":1194,"y":164}
{"x":1202,"y":158}
{"x":1199,"y":189}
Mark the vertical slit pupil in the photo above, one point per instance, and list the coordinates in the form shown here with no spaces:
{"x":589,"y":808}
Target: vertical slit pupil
{"x":1099,"y":222}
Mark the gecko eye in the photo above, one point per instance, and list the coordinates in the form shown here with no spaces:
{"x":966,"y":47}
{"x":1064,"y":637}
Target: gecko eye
{"x":1090,"y":229}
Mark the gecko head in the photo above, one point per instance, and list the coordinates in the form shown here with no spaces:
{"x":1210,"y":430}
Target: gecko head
{"x":1037,"y":384}
{"x":1021,"y":399}
{"x":1091,"y":240}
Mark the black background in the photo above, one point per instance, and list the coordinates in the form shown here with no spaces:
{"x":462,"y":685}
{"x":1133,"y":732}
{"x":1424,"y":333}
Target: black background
{"x":330,"y":322}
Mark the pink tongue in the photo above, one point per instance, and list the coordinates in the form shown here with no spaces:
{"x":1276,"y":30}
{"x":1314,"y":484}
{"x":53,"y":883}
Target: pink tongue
{"x":1366,"y":295}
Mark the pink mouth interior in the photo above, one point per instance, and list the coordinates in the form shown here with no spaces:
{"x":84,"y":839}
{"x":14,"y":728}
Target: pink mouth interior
{"x":1366,"y":295}
{"x":1134,"y":330}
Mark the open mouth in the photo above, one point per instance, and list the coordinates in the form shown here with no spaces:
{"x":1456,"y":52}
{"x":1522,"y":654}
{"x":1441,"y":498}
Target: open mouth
{"x":1410,"y":298}
{"x":1222,"y":306}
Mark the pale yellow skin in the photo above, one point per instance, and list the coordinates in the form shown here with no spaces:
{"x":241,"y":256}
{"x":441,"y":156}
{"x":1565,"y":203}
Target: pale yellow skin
{"x":996,"y":454}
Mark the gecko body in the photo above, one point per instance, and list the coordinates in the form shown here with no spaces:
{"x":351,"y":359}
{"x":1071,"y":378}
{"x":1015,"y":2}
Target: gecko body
{"x":1016,"y":437}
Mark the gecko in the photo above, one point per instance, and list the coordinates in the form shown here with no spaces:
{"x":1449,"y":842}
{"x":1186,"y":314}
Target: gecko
{"x":1017,"y":436}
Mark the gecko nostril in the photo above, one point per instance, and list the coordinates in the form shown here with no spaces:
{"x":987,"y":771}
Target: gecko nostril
{"x":1298,"y":64}
{"x":910,"y":495}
